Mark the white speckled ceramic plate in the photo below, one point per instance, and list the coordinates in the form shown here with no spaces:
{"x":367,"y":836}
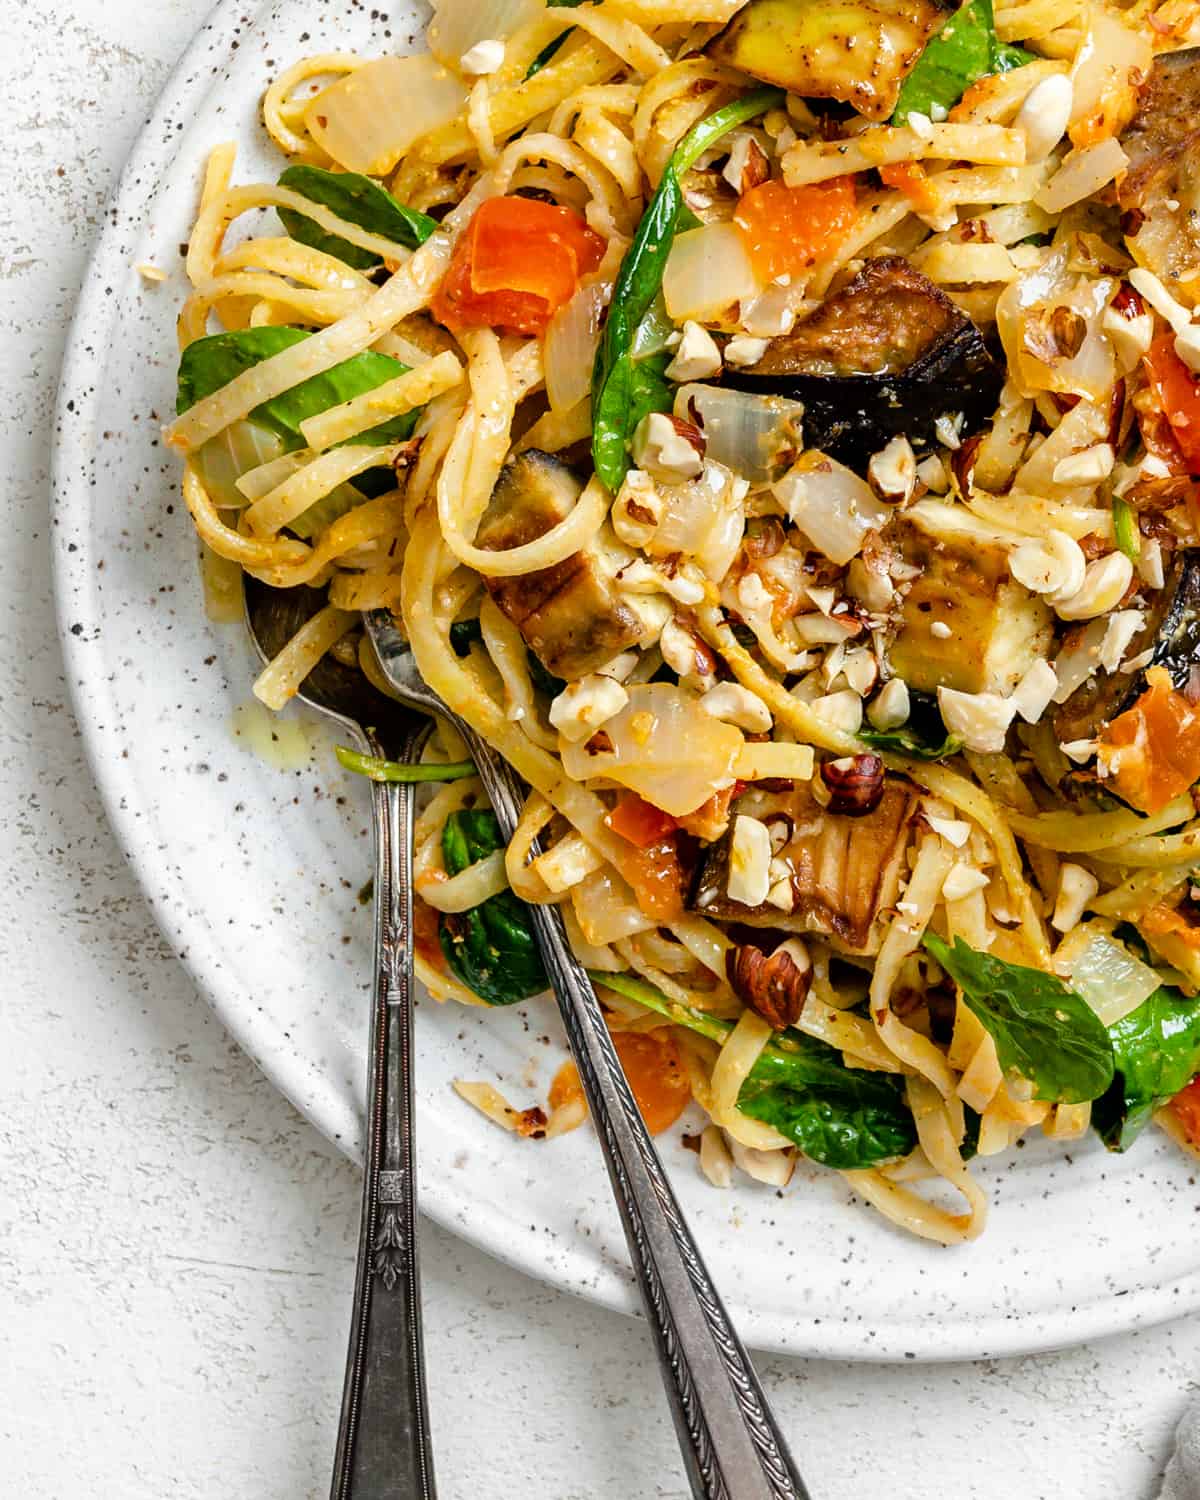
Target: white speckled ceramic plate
{"x":253,"y":872}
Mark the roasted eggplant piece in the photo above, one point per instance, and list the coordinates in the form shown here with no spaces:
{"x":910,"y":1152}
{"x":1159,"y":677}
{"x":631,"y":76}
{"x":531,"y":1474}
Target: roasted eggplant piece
{"x":1163,"y":146}
{"x":998,"y":629}
{"x":572,"y":616}
{"x":1171,"y":632}
{"x":858,"y":51}
{"x":845,"y":869}
{"x":888,"y":354}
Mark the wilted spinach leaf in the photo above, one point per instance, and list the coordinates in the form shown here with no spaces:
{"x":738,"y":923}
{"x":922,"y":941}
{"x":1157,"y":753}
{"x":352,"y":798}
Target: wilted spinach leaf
{"x":359,"y":201}
{"x":1043,"y":1031}
{"x":1157,"y":1052}
{"x":842,"y":1117}
{"x":491,"y":947}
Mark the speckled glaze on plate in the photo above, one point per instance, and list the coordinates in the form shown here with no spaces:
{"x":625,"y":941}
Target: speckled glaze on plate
{"x":253,"y":872}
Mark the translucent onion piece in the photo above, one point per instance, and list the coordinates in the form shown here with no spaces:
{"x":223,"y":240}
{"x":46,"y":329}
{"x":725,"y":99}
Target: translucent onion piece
{"x":707,"y":272}
{"x":1111,"y":980}
{"x":570,"y":346}
{"x":456,"y":27}
{"x":607,"y":910}
{"x":1104,"y":66}
{"x":702,"y":519}
{"x":225,"y":458}
{"x":757,"y":437}
{"x":1044,"y":315}
{"x":663,"y":746}
{"x":369,"y":119}
{"x":832,"y":506}
{"x":1082,"y":174}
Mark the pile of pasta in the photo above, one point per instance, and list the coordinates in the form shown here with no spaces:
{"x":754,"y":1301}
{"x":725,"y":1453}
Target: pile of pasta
{"x":582,"y":107}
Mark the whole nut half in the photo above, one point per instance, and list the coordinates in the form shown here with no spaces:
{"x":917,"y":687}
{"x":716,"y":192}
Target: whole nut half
{"x":854,"y":784}
{"x":774,"y":986}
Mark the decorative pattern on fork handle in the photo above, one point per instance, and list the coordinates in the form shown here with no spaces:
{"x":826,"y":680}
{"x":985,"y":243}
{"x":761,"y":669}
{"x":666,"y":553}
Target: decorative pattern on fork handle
{"x":383,"y":1449}
{"x":731,"y":1445}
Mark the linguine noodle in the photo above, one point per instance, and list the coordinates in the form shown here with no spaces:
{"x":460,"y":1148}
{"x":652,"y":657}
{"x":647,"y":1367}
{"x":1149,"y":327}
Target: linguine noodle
{"x":792,"y":480}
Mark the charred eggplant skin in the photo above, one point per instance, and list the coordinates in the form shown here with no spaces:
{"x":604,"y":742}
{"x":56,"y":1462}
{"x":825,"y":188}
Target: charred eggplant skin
{"x":845,"y":869}
{"x":1166,"y":129}
{"x":1172,"y":634}
{"x":856,"y":51}
{"x":887,"y":355}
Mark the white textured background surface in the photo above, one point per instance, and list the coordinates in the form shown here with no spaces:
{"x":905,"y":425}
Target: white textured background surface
{"x":175,"y":1242}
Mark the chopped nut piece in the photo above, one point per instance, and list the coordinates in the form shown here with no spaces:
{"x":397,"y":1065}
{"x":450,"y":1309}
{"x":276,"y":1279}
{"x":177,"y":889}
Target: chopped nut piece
{"x":749,"y":862}
{"x":981,"y":720}
{"x":1104,"y":584}
{"x":892,"y":472}
{"x":668,"y":448}
{"x":697,"y":357}
{"x":744,"y":350}
{"x":737,"y":705}
{"x":584,"y":705}
{"x":891,"y":706}
{"x":1076,"y":887}
{"x":1033,"y":694}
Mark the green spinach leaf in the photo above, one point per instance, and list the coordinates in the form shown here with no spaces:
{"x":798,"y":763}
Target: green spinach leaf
{"x":906,"y":742}
{"x":618,"y":390}
{"x":964,"y":50}
{"x":211,"y":363}
{"x":491,"y":947}
{"x":1043,"y":1031}
{"x":842,"y":1117}
{"x":359,"y":201}
{"x":1157,"y":1052}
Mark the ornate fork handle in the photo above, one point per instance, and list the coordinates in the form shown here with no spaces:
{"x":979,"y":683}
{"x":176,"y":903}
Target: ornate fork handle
{"x":383,"y":1447}
{"x":731,"y":1445}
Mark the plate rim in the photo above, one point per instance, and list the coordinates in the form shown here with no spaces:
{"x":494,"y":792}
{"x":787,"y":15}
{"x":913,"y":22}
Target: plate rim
{"x":152,"y":154}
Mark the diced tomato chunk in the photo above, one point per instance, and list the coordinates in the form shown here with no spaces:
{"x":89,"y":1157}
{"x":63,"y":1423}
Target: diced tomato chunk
{"x":516,"y":263}
{"x":1178,"y":393}
{"x":658,"y":878}
{"x":911,"y":178}
{"x":640,"y":821}
{"x":786,"y":229}
{"x":656,"y":1074}
{"x":1151,"y":753}
{"x":1186,"y":1108}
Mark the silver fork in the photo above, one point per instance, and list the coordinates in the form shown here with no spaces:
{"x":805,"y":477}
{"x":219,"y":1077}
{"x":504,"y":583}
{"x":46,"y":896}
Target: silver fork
{"x":383,"y":1445}
{"x":732,"y":1447}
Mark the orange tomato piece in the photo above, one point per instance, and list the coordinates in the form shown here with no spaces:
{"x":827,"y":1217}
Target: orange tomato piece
{"x":658,"y":878}
{"x":566,"y":1087}
{"x":516,"y":263}
{"x":1151,"y":753}
{"x":913,"y":181}
{"x":425,"y":935}
{"x":1186,"y":1108}
{"x":786,"y":229}
{"x":656,"y":1074}
{"x":1178,"y":393}
{"x":640,"y":821}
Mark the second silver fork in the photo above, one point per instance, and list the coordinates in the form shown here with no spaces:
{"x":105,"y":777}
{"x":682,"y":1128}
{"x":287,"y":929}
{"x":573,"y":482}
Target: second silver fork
{"x":731,"y":1444}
